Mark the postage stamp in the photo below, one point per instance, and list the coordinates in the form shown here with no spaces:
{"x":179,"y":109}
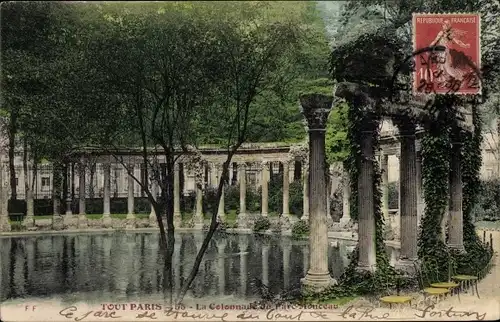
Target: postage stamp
{"x":452,"y":63}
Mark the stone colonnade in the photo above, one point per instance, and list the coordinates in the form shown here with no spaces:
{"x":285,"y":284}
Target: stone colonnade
{"x":263,"y":173}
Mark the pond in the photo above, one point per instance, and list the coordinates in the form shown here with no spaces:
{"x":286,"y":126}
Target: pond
{"x":127,"y":266}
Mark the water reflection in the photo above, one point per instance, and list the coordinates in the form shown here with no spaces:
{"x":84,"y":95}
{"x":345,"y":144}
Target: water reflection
{"x":129,"y":265}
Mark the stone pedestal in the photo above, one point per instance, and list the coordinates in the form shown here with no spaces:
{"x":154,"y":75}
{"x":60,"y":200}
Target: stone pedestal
{"x":316,"y":108}
{"x":366,"y":225}
{"x":408,"y":211}
{"x":456,"y":233}
{"x":265,"y":188}
{"x":242,"y":216}
{"x":130,"y":199}
{"x":177,"y":196}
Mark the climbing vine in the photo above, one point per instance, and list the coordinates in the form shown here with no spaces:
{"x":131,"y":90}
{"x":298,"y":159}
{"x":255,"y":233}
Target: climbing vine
{"x":478,"y":254}
{"x":436,"y":148}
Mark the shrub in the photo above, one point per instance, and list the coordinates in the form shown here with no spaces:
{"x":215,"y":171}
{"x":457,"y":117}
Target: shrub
{"x":261,"y":224}
{"x":300,"y":229}
{"x":488,"y":204}
{"x":393,"y":195}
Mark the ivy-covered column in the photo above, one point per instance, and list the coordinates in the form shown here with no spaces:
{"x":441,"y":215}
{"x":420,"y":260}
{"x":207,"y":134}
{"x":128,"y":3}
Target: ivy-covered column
{"x":242,"y":216}
{"x":366,"y":226}
{"x":408,"y":192}
{"x":305,"y":192}
{"x":220,"y":210}
{"x":4,"y":199}
{"x":316,"y":108}
{"x":265,"y":188}
{"x":456,"y":233}
{"x":177,"y":196}
{"x":130,"y":195}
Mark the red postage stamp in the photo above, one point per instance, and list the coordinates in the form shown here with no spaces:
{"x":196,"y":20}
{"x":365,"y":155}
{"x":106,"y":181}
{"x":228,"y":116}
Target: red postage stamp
{"x":447,"y":53}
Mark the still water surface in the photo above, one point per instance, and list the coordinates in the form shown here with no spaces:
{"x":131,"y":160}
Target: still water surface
{"x":128,"y":266}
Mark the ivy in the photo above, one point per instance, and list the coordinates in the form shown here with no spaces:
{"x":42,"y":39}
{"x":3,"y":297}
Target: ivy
{"x":436,"y":147}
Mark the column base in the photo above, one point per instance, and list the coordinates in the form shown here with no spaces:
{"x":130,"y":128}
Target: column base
{"x":4,"y":223}
{"x":106,"y":221}
{"x":316,"y":283}
{"x":130,"y":216}
{"x":177,"y":220}
{"x":198,"y":222}
{"x":345,"y":222}
{"x":221,"y":218}
{"x":457,"y":247}
{"x":29,"y":221}
{"x":69,"y":220}
{"x":264,"y":214}
{"x":406,"y":265}
{"x":366,"y":268}
{"x":242,"y":220}
{"x":82,"y":221}
{"x":57,"y":222}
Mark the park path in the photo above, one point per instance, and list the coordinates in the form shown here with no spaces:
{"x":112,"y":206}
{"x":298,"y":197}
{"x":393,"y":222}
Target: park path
{"x":488,"y":303}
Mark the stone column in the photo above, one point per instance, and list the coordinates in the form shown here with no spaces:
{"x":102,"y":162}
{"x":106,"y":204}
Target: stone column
{"x":456,"y":234}
{"x":81,"y":188}
{"x":69,"y":200}
{"x":56,"y":186}
{"x":243,"y":244}
{"x":221,"y":265}
{"x":29,"y":196}
{"x":305,"y":259}
{"x":177,"y":197}
{"x":242,"y":216}
{"x":305,"y":192}
{"x":198,"y":217}
{"x":4,"y":200}
{"x":346,"y":200}
{"x":286,"y":189}
{"x":106,"y":190}
{"x":420,"y":192}
{"x":265,"y":188}
{"x":220,"y":210}
{"x":316,"y":108}
{"x":265,"y":263}
{"x":408,"y":192}
{"x":130,"y":187}
{"x":328,"y":195}
{"x":366,"y":225}
{"x":384,"y":165}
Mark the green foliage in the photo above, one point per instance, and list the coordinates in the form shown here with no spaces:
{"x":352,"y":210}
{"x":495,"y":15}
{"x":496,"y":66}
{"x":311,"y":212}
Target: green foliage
{"x":393,"y":195}
{"x":300,"y":229}
{"x":436,"y":148}
{"x":337,"y":143}
{"x":487,"y":206}
{"x":261,"y":224}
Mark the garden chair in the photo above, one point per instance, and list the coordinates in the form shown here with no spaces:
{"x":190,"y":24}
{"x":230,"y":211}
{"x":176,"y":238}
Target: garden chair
{"x":395,"y":299}
{"x":467,"y":281}
{"x":452,"y":286}
{"x":429,"y":293}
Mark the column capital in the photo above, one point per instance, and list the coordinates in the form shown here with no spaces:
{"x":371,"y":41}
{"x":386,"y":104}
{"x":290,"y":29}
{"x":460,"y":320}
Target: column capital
{"x":316,"y":108}
{"x":264,"y":165}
